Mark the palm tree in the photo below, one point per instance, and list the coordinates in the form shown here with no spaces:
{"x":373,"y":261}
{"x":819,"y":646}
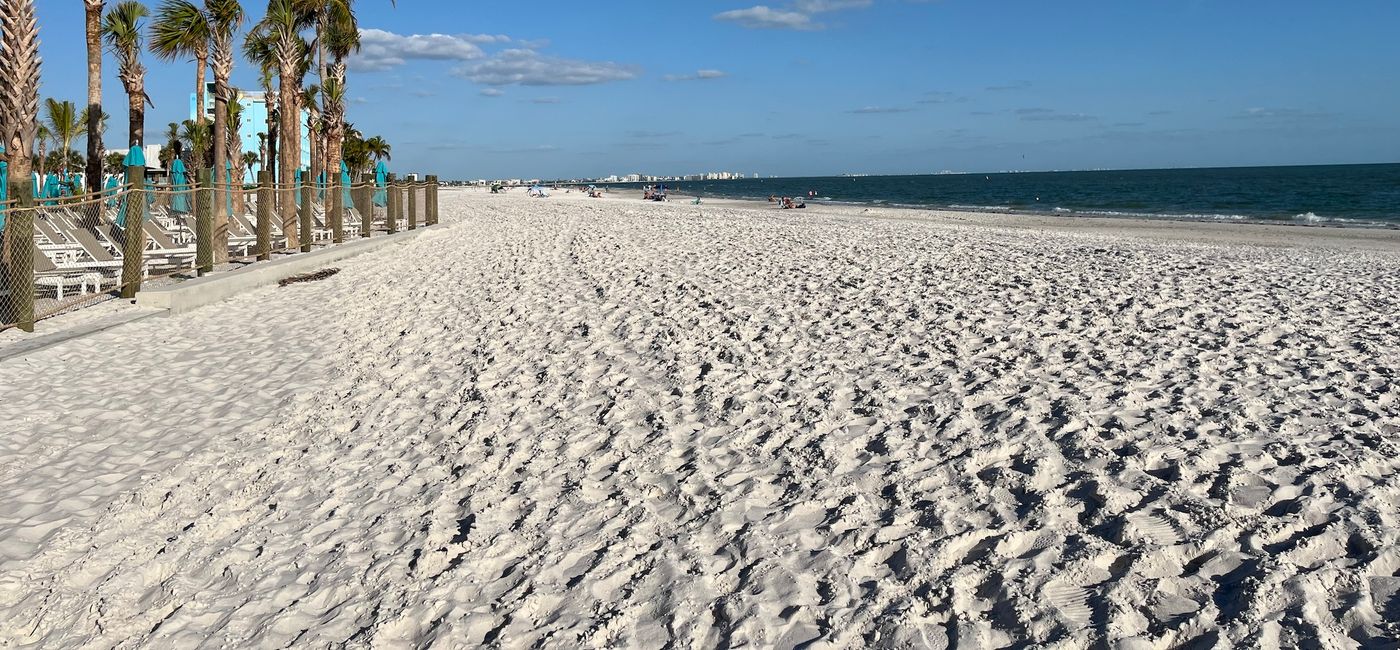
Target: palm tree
{"x":341,"y":38}
{"x":172,"y":136}
{"x":315,"y":128}
{"x":19,"y":76}
{"x":250,"y":158}
{"x":121,"y":28}
{"x":93,"y":115}
{"x":233,"y":145}
{"x":283,"y":24}
{"x":197,"y":136}
{"x":379,"y":149}
{"x":225,"y":17}
{"x":182,"y":29}
{"x":62,"y":120}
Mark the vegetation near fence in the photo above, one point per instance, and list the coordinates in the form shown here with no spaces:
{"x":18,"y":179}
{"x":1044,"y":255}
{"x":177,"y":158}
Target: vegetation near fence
{"x":62,"y":254}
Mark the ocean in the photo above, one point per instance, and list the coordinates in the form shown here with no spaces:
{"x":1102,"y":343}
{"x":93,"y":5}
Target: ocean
{"x":1340,"y":195}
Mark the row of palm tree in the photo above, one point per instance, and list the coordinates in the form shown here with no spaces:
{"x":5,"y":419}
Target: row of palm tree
{"x":206,"y":31}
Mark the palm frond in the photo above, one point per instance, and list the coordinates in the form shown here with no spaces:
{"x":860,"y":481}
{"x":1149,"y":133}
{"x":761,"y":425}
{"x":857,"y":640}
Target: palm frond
{"x":180,"y":29}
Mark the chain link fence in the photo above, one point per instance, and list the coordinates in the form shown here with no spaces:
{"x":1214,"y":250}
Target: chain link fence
{"x":60,"y":254}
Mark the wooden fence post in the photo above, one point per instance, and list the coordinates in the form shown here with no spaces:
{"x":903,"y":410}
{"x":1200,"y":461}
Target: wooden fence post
{"x":19,"y":234}
{"x":391,"y":188}
{"x":413,"y":205}
{"x":304,"y":216}
{"x":366,"y":204}
{"x":432,"y":200}
{"x":204,"y":223}
{"x":134,"y":232}
{"x":264,"y":216}
{"x":335,"y":213}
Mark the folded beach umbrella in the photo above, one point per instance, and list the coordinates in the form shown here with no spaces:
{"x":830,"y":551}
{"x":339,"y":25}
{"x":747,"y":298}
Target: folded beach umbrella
{"x":113,"y":186}
{"x":4,"y":185}
{"x":51,"y":189}
{"x":381,"y":180}
{"x":180,"y":184}
{"x":134,"y":158}
{"x":345,"y":198}
{"x":300,"y":182}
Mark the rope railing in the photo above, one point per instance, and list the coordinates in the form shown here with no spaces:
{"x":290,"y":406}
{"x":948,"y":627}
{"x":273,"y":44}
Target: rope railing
{"x":64,"y":253}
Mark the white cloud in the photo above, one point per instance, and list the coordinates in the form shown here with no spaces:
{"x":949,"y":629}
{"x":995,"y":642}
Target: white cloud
{"x":492,"y":92}
{"x":381,"y":50}
{"x":796,"y":16}
{"x":530,"y":68}
{"x":764,"y":17}
{"x":698,"y":75}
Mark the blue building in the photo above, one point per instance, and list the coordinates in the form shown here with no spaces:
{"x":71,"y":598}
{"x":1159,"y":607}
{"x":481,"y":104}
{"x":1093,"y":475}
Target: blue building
{"x":254,"y":124}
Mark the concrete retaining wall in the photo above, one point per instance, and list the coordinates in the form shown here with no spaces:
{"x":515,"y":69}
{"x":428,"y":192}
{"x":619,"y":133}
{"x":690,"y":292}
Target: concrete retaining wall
{"x":208,"y":290}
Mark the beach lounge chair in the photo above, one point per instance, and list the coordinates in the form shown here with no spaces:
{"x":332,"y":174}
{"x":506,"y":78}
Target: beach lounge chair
{"x":48,"y":274}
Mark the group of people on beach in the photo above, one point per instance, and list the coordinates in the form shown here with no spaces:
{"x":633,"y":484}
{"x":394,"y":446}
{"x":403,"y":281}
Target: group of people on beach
{"x":654,"y":193}
{"x":787,"y":202}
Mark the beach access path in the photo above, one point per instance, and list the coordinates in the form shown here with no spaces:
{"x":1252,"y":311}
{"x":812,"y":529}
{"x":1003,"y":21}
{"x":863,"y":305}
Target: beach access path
{"x":579,"y":422}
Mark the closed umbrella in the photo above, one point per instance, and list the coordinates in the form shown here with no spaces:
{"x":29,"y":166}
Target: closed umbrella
{"x":134,"y":158}
{"x":345,"y":199}
{"x":4,"y":185}
{"x":180,"y":184}
{"x":381,"y":181}
{"x":299,"y":184}
{"x":51,"y":189}
{"x":114,"y":185}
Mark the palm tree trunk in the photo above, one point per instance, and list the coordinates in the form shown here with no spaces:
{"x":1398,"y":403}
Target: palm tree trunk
{"x":136,"y":118}
{"x":94,"y":91}
{"x":203,"y":63}
{"x":288,"y":154}
{"x":221,"y":179}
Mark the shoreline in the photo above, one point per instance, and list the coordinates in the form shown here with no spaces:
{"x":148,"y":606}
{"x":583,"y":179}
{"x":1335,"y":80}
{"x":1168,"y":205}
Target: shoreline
{"x":1198,"y":231}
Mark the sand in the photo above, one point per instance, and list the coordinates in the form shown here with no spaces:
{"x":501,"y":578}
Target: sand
{"x":601,"y":423}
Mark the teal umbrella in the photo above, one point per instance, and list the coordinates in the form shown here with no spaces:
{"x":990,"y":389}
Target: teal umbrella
{"x":51,"y":189}
{"x":4,"y":185}
{"x":113,"y":186}
{"x":134,"y":158}
{"x":381,"y":180}
{"x":345,"y":199}
{"x":299,"y":183}
{"x":180,"y":184}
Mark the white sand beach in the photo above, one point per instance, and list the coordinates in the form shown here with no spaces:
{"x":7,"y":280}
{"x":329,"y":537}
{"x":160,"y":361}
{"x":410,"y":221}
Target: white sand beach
{"x":572,"y":422}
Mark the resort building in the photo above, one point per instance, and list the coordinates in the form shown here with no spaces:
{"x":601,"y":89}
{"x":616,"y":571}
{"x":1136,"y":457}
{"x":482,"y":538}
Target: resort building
{"x":253,"y":126}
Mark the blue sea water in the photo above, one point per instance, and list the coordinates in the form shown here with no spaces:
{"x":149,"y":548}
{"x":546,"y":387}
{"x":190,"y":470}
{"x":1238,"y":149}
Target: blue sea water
{"x":1346,"y":195}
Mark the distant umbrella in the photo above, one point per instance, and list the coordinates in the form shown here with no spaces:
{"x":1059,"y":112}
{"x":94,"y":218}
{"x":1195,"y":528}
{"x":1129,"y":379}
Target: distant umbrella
{"x":4,"y":185}
{"x":381,"y":180}
{"x":180,"y":184}
{"x":345,"y":198}
{"x":51,"y":189}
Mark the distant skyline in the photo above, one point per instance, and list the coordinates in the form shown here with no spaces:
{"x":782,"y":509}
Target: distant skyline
{"x":824,"y":87}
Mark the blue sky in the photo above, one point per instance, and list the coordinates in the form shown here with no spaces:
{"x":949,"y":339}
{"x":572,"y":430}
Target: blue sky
{"x":469,"y":88}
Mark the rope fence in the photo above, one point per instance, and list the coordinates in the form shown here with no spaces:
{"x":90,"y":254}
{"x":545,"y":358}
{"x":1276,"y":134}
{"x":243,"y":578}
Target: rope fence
{"x":61,"y":254}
